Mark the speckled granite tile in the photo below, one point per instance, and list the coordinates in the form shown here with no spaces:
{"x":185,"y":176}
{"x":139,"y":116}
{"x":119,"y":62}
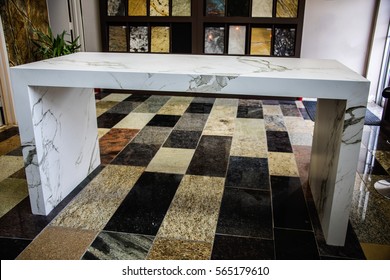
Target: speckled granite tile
{"x":302,"y":157}
{"x":221,"y":120}
{"x":290,"y":110}
{"x":384,"y":159}
{"x":208,"y":100}
{"x":152,"y":135}
{"x":159,"y":7}
{"x":20,"y":174}
{"x":160,"y":39}
{"x":297,"y":125}
{"x":171,"y":160}
{"x":7,"y":132}
{"x":16,"y":152}
{"x":138,"y":97}
{"x":58,"y":243}
{"x":12,"y":247}
{"x":278,"y":141}
{"x":167,"y":249}
{"x":104,"y":106}
{"x":136,"y":154}
{"x":108,"y":120}
{"x":274,"y":123}
{"x":193,"y":213}
{"x":272,"y":110}
{"x":226,"y":102}
{"x":12,"y":191}
{"x":183,"y":139}
{"x":301,"y":139}
{"x":199,"y":108}
{"x":177,"y":105}
{"x":376,"y":251}
{"x":9,"y":145}
{"x":135,"y":120}
{"x":95,"y":204}
{"x":119,"y":246}
{"x":282,"y":164}
{"x":251,"y":112}
{"x":9,"y":165}
{"x":124,"y":107}
{"x":102,"y":132}
{"x":115,"y":97}
{"x":152,"y":105}
{"x":181,"y":7}
{"x":249,"y":138}
{"x":192,"y":122}
{"x":164,"y":120}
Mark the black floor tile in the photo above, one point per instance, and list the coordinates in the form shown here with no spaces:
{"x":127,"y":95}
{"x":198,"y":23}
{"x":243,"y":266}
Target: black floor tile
{"x":242,"y":248}
{"x":137,"y":98}
{"x":100,"y":95}
{"x":17,"y":152}
{"x":290,"y":110}
{"x":183,"y":139}
{"x":289,"y":205}
{"x":211,"y":157}
{"x":250,"y":112}
{"x":208,"y":100}
{"x":383,"y":142}
{"x":8,"y":133}
{"x":278,"y":141}
{"x":20,"y":174}
{"x":245,"y":213}
{"x":199,"y":108}
{"x":270,"y":102}
{"x":164,"y":120}
{"x":108,"y":120}
{"x":295,"y":245}
{"x":372,"y":167}
{"x":124,"y":107}
{"x":136,"y":154}
{"x":144,"y":208}
{"x":246,"y":172}
{"x":304,"y":114}
{"x":11,"y":248}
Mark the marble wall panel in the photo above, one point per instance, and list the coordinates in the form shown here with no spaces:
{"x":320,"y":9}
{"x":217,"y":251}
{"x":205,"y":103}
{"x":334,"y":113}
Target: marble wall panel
{"x":237,"y":36}
{"x":139,"y":41}
{"x":181,"y":8}
{"x":284,"y":42}
{"x":214,"y":41}
{"x":137,"y":8}
{"x":159,"y":8}
{"x":262,"y":8}
{"x":238,"y":8}
{"x":160,"y":39}
{"x":215,"y":8}
{"x":261,"y":41}
{"x":116,"y":7}
{"x":117,"y":41}
{"x":287,"y":8}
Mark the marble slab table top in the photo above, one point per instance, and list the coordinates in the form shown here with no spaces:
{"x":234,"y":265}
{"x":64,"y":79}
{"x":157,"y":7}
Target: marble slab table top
{"x":55,"y":108}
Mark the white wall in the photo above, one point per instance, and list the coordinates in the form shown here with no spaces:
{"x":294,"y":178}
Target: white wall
{"x":91,"y":16}
{"x":338,"y":29}
{"x":58,"y":16}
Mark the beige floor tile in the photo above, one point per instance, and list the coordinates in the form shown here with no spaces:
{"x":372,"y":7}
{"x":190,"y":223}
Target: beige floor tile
{"x":9,"y":165}
{"x":221,"y":121}
{"x":135,"y":120}
{"x":115,"y":97}
{"x":226,"y":102}
{"x":302,"y":139}
{"x":102,"y":132}
{"x":94,"y":206}
{"x":12,"y":191}
{"x":193,"y":214}
{"x":274,"y":123}
{"x":177,"y":105}
{"x":282,"y":164}
{"x":9,"y":144}
{"x":297,"y":125}
{"x":57,"y":243}
{"x":376,"y":251}
{"x":272,"y":110}
{"x":169,"y":160}
{"x":104,"y":106}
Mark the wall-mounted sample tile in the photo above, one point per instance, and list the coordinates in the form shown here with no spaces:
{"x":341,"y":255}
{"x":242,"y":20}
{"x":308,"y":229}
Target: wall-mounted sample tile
{"x":215,"y":7}
{"x":214,"y":40}
{"x":261,"y":41}
{"x":160,"y":39}
{"x":238,"y":8}
{"x":262,"y":8}
{"x":284,"y":42}
{"x":159,"y":8}
{"x":117,"y":39}
{"x":181,"y":38}
{"x":116,"y":7}
{"x":137,"y":8}
{"x":181,"y":8}
{"x":287,"y":8}
{"x":237,"y":35}
{"x":139,"y":41}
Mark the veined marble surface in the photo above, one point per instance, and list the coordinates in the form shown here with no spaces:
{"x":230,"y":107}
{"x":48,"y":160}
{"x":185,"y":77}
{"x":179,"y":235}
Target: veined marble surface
{"x":51,"y":106}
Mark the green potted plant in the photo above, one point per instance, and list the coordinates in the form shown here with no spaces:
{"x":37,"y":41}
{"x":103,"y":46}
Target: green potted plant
{"x":49,"y":46}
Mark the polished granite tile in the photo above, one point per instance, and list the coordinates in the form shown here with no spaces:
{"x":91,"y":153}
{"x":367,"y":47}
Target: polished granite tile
{"x":152,"y":135}
{"x":282,"y":164}
{"x":20,"y":174}
{"x":193,"y":213}
{"x":206,"y":100}
{"x":237,"y":38}
{"x":9,"y":144}
{"x":124,"y":107}
{"x":171,"y":160}
{"x":288,"y":203}
{"x":115,"y":97}
{"x":301,"y":139}
{"x":104,"y":106}
{"x":138,"y":97}
{"x":102,"y":132}
{"x":270,"y":109}
{"x":160,"y":39}
{"x":250,"y":103}
{"x":8,"y":133}
{"x":117,"y":38}
{"x":262,"y":8}
{"x":272,"y":102}
{"x":116,"y":7}
{"x":108,"y":120}
{"x":92,"y":208}
{"x":245,"y":213}
{"x":274,"y":123}
{"x":181,"y":8}
{"x":144,"y":208}
{"x":290,"y":110}
{"x":113,"y":142}
{"x":248,"y":173}
{"x":304,"y":113}
{"x":11,"y":247}
{"x":152,"y":104}
{"x":371,"y":167}
{"x":183,"y":139}
{"x":383,"y":158}
{"x":287,"y":8}
{"x":137,"y":8}
{"x":99,"y":95}
{"x":159,"y":8}
{"x":242,"y":248}
{"x":171,"y":249}
{"x":284,"y":41}
{"x":297,"y":125}
{"x":164,"y":120}
{"x":302,"y":157}
{"x":192,"y":122}
{"x":215,"y":7}
{"x":278,"y":141}
{"x":58,"y":243}
{"x":250,"y":112}
{"x":376,"y":251}
{"x":199,"y":108}
{"x":249,"y":139}
{"x":16,"y":152}
{"x":211,"y":157}
{"x":261,"y":41}
{"x":119,"y":246}
{"x":9,"y":165}
{"x":295,"y":245}
{"x":136,"y":154}
{"x":12,"y":191}
{"x":214,"y":40}
{"x":221,"y":120}
{"x":135,"y":120}
{"x":139,"y":40}
{"x":176,"y":106}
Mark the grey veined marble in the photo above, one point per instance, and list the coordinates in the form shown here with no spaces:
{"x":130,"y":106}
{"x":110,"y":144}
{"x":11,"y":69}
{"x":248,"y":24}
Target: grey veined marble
{"x":214,"y":40}
{"x":139,"y":39}
{"x":284,"y":42}
{"x":116,"y":7}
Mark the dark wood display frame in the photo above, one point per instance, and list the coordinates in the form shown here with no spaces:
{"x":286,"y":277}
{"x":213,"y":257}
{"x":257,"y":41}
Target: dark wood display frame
{"x":198,"y":21}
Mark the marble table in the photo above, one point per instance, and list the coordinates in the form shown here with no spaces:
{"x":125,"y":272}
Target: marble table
{"x":55,"y":107}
